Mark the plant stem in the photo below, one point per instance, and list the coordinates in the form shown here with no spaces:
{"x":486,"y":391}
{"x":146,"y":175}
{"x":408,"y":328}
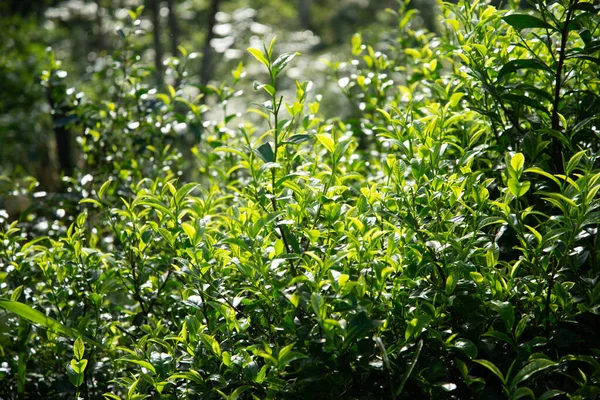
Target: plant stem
{"x":556,"y":148}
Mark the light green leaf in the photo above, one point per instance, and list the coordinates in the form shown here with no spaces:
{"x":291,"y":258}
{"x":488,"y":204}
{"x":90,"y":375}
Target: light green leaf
{"x":540,"y":171}
{"x":326,"y":141}
{"x":212,"y":343}
{"x":141,"y":363}
{"x":104,"y":188}
{"x":189,"y":230}
{"x":184,"y":191}
{"x":78,"y":348}
{"x":476,"y":276}
{"x":259,"y":56}
{"x":455,"y":98}
{"x":516,"y":162}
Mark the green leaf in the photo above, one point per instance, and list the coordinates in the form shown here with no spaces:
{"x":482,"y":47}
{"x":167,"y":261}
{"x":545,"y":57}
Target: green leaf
{"x":501,"y":336}
{"x":340,"y":148}
{"x":266,"y":87}
{"x":326,"y":141}
{"x":515,"y":65}
{"x":282,"y":61}
{"x":523,"y":392}
{"x":158,"y":206}
{"x":550,"y":394}
{"x":360,"y":326}
{"x":574,"y":162}
{"x":524,"y":21}
{"x":514,"y":186}
{"x":237,"y":392}
{"x":356,"y":44}
{"x":104,"y":188}
{"x":16,"y":294}
{"x":451,"y":282}
{"x":490,"y":366}
{"x":530,"y":369}
{"x":540,"y":171}
{"x":190,"y":375}
{"x":212,"y":343}
{"x":476,"y":276}
{"x":506,"y":311}
{"x":518,"y":189}
{"x":79,"y":366}
{"x":141,"y":363}
{"x":78,"y":348}
{"x":269,"y":51}
{"x":297,"y":139}
{"x":266,"y":356}
{"x":259,"y":56}
{"x":588,"y":7}
{"x":265,"y":152}
{"x":75,"y":377}
{"x":466,"y":346}
{"x":90,"y":201}
{"x":318,"y":306}
{"x":238,"y":242}
{"x":286,"y":356}
{"x":23,"y":310}
{"x":455,"y":98}
{"x":525,"y":101}
{"x":415,"y":326}
{"x":184,"y":191}
{"x":189,"y":230}
{"x":230,"y":150}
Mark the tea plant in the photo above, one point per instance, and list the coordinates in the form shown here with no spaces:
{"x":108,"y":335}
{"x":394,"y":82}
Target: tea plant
{"x":442,"y":242}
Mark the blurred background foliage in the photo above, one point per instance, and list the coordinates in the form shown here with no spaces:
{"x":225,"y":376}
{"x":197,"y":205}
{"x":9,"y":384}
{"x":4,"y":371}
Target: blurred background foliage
{"x":76,"y":40}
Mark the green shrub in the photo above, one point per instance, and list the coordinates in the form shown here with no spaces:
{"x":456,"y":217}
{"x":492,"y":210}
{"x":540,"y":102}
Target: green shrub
{"x":442,"y":242}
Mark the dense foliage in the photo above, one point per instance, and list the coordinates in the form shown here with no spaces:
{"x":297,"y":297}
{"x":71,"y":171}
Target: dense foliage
{"x":438,"y":239}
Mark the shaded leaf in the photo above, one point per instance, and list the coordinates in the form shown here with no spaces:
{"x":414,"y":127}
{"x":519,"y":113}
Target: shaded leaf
{"x":525,"y":21}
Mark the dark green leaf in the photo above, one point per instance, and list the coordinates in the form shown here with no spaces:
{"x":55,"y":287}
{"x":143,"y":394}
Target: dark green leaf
{"x":530,"y":369}
{"x":515,"y":65}
{"x":523,"y":392}
{"x":265,"y":152}
{"x":588,"y":7}
{"x":490,"y":366}
{"x":359,"y":327}
{"x":525,"y":21}
{"x":466,"y":346}
{"x":297,"y":139}
{"x":506,"y":311}
{"x":23,"y":310}
{"x":550,"y":394}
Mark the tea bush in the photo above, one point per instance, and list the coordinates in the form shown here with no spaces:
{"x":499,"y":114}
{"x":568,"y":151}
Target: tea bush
{"x":441,"y":242}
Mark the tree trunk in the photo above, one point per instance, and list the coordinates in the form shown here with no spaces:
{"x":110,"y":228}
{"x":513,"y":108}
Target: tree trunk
{"x":305,"y":14}
{"x":101,"y":39}
{"x":173,"y":26}
{"x":207,"y":64}
{"x":154,"y":6}
{"x":62,"y":135}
